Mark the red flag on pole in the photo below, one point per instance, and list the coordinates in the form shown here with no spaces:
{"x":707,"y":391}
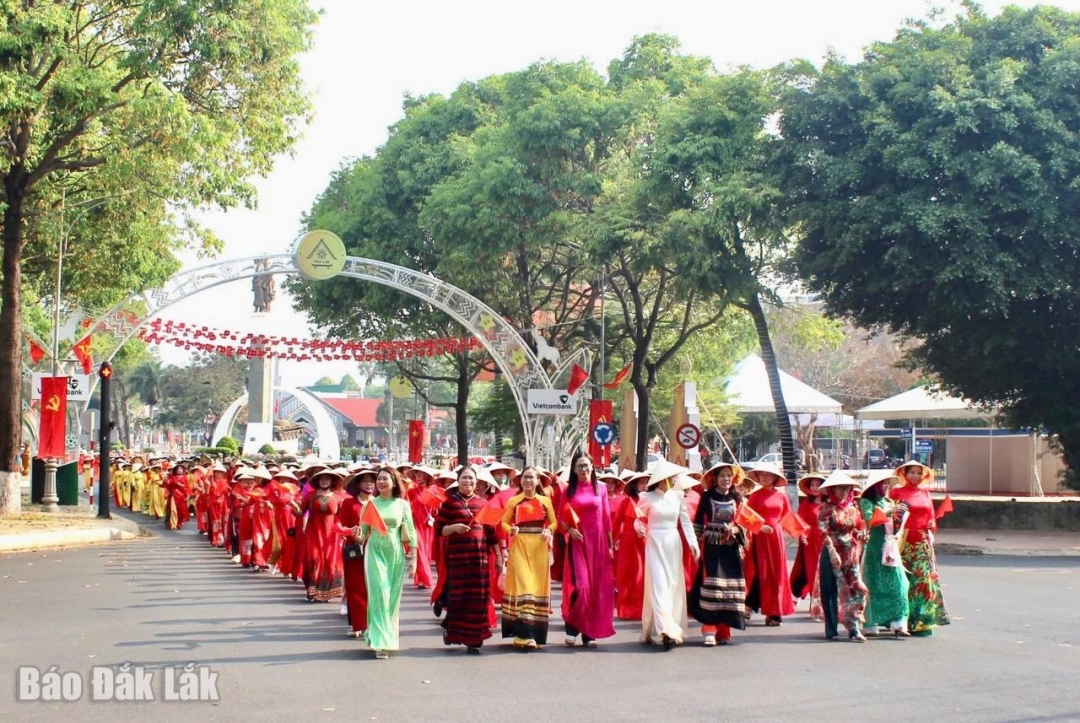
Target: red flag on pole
{"x":878,"y":518}
{"x":36,"y":352}
{"x":529,"y":511}
{"x":620,"y":377}
{"x":433,"y":496}
{"x":51,"y":429}
{"x":794,"y":525}
{"x":84,"y":353}
{"x":578,"y":377}
{"x":944,"y":508}
{"x":416,"y":441}
{"x":748,"y":519}
{"x":492,"y":512}
{"x":371,"y":517}
{"x":570,"y":517}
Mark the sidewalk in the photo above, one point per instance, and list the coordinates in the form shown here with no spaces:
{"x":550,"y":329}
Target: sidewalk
{"x":36,"y":529}
{"x":1008,"y":542}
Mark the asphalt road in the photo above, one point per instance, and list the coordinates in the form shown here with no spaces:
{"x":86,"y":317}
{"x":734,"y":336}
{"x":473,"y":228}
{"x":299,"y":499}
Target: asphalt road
{"x":1012,"y":653}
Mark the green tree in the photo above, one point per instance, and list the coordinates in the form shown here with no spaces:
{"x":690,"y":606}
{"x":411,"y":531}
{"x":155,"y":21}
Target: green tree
{"x":207,"y":385}
{"x":164,"y":106}
{"x":937,"y":187}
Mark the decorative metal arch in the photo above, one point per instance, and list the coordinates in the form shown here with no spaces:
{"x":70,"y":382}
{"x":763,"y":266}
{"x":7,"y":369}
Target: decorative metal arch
{"x":545,"y":438}
{"x":329,"y":446}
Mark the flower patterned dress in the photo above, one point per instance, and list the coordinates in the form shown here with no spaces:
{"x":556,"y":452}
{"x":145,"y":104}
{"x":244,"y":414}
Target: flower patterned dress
{"x":927,"y":606}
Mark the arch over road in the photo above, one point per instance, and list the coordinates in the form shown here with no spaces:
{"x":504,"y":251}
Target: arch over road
{"x":546,"y":437}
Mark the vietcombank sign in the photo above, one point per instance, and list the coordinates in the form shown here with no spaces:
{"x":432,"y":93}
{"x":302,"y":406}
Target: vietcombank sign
{"x":551,"y":401}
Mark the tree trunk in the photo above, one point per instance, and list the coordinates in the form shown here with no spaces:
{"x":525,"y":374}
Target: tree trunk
{"x":11,"y":347}
{"x":461,"y":408}
{"x":783,"y":420}
{"x":641,"y":387}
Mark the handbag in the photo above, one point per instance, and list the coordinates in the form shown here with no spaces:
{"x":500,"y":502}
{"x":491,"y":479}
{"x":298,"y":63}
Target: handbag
{"x":890,"y":552}
{"x":353,"y":552}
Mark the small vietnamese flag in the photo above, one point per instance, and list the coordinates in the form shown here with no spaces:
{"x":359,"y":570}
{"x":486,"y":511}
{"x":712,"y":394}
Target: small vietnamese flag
{"x":578,"y":377}
{"x":371,"y":517}
{"x":878,"y":518}
{"x":944,"y":508}
{"x":570,"y":517}
{"x":433,"y":496}
{"x":794,"y":525}
{"x":748,"y":519}
{"x":640,"y":513}
{"x":620,"y":377}
{"x":492,"y":512}
{"x":529,"y":511}
{"x":36,"y":352}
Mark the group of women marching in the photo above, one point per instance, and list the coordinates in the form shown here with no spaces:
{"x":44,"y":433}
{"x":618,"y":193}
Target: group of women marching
{"x":660,"y":547}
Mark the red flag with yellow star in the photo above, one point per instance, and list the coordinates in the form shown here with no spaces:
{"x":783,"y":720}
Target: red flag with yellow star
{"x":416,"y":441}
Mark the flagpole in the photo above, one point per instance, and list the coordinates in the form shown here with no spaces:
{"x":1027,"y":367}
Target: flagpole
{"x":603,"y":326}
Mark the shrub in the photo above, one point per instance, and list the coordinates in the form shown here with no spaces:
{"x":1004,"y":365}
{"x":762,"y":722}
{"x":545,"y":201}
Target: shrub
{"x":267,"y":449}
{"x":229,"y":443}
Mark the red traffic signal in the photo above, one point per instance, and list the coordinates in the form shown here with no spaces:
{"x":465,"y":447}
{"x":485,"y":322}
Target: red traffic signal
{"x":105,"y":372}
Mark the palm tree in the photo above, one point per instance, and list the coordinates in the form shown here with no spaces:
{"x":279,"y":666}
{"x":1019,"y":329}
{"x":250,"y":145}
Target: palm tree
{"x":145,"y":382}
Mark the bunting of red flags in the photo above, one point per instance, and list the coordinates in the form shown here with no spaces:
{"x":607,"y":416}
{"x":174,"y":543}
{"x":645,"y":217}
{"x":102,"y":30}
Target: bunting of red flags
{"x":254,"y":346}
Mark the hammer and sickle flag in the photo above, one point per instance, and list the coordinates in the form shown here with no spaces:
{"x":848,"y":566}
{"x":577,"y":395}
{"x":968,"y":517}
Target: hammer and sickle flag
{"x":51,"y":429}
{"x":83,"y":352}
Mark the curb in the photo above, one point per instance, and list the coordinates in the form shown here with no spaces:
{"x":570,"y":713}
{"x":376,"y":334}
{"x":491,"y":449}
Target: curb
{"x":118,"y":529}
{"x":945,"y":548}
{"x":959,"y":550}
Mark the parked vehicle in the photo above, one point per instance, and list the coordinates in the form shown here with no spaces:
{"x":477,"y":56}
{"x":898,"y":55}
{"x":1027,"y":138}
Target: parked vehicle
{"x":877,"y":459}
{"x":776,"y":458}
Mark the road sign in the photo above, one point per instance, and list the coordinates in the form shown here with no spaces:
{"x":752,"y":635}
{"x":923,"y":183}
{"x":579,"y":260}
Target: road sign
{"x":688,"y":436}
{"x":603,"y":433}
{"x":924,"y":446}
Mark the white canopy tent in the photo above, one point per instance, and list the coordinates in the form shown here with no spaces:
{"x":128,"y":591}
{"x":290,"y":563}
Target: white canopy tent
{"x":748,"y":391}
{"x":922,"y":403}
{"x":927,"y":403}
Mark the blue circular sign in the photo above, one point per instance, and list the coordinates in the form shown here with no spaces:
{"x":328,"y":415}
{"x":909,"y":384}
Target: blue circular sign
{"x":603,"y":433}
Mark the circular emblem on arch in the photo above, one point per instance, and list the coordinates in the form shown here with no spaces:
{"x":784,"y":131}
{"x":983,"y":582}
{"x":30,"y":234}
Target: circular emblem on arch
{"x":320,"y":255}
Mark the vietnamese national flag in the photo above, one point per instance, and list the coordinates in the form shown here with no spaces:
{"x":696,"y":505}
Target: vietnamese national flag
{"x":84,"y":353}
{"x":640,"y":513}
{"x":578,"y":377}
{"x":529,"y":511}
{"x":371,"y":517}
{"x":416,"y":441}
{"x":620,"y":377}
{"x":748,"y":519}
{"x":36,"y":352}
{"x":492,"y":512}
{"x":878,"y":518}
{"x":570,"y":517}
{"x":794,"y":525}
{"x":51,"y":429}
{"x":944,"y":508}
{"x":433,"y":496}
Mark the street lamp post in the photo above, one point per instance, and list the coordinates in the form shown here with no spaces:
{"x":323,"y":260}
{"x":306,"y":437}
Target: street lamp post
{"x":49,"y":498}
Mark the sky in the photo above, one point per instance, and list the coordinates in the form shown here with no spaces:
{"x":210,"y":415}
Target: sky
{"x":369,"y":54}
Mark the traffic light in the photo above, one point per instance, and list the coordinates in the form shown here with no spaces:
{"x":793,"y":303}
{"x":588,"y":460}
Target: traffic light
{"x":106,"y":370}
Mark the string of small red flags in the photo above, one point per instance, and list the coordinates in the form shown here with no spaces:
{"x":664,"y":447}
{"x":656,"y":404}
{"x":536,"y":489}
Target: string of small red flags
{"x":191,"y":337}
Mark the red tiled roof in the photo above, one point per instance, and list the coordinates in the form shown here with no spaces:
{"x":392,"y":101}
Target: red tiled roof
{"x":361,"y":412}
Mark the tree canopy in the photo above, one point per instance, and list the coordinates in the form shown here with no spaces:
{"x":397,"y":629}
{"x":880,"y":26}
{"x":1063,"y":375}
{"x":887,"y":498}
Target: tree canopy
{"x":936,"y":182}
{"x":118,"y":119}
